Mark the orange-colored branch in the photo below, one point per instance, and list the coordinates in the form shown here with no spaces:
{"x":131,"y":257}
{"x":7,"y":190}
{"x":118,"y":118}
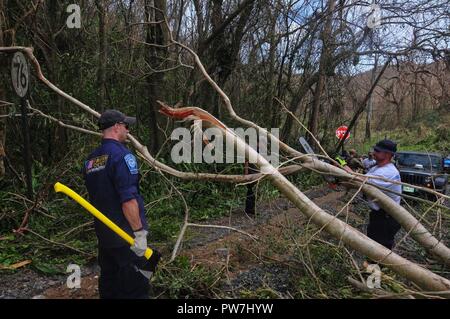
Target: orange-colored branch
{"x":189,"y":113}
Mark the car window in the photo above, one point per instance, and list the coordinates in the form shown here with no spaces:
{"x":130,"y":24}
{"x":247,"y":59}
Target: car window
{"x":414,"y":160}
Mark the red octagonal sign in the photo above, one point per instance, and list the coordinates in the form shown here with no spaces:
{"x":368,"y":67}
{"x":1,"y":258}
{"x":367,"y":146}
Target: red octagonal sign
{"x":340,"y":132}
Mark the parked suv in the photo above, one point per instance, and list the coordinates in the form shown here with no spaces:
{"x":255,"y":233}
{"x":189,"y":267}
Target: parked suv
{"x":422,"y":169}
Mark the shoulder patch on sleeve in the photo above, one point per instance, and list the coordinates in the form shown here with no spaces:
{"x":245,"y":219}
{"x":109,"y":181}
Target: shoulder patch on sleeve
{"x":96,"y":164}
{"x":131,"y":162}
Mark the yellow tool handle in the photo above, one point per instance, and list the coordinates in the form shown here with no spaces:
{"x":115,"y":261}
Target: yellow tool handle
{"x":94,"y":211}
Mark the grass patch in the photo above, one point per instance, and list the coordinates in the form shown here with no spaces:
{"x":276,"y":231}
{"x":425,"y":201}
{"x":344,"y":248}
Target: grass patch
{"x":180,"y":279}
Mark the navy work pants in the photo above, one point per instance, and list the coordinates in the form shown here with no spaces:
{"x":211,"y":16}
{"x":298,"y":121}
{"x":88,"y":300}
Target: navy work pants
{"x":119,"y":277}
{"x":382,"y":228}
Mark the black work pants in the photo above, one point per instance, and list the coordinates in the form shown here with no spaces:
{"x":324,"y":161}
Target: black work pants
{"x":382,"y":228}
{"x":250,"y":200}
{"x":119,"y":277}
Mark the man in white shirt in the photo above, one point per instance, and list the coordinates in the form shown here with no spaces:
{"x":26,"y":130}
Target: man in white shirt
{"x":382,"y":227}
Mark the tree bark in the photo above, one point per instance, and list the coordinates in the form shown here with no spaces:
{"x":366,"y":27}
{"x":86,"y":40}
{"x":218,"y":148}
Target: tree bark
{"x":102,"y":55}
{"x":324,"y":66}
{"x":370,"y":102}
{"x":220,"y":49}
{"x":3,"y":108}
{"x":155,"y":57}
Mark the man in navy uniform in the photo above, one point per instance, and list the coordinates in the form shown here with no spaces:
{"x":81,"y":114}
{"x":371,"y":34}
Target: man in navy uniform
{"x":112,"y":179}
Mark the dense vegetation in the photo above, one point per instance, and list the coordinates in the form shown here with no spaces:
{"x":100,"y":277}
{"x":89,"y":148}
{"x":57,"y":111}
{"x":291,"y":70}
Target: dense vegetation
{"x":319,"y":59}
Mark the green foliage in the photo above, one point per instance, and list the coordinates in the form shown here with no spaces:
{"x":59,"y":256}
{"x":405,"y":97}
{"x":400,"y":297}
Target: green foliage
{"x":180,"y":279}
{"x":328,"y":268}
{"x":64,"y":222}
{"x":431,"y":133}
{"x":306,"y":180}
{"x":10,"y":254}
{"x":260,"y":293}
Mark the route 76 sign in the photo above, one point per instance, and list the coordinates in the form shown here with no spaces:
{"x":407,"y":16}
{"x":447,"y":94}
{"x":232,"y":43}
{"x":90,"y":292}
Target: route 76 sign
{"x":20,"y":74}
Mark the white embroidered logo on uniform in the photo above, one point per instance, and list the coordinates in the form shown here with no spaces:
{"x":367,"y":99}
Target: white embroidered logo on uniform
{"x":130,"y":160}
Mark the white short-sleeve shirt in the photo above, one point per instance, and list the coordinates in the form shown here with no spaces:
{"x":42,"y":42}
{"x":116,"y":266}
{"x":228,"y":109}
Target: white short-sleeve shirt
{"x":388,"y":171}
{"x":368,"y":163}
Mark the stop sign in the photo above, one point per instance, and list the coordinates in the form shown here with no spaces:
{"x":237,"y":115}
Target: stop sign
{"x":340,"y":132}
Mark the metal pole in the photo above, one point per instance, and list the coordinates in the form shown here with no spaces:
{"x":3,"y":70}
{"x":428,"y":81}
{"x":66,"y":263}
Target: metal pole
{"x":20,"y":81}
{"x":26,"y":148}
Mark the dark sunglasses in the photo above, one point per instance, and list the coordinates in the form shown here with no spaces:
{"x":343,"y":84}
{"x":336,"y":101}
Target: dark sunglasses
{"x":125,"y":124}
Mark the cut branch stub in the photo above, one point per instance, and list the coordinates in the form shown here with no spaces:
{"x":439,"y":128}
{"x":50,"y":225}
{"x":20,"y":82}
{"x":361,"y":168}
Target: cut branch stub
{"x":189,"y":113}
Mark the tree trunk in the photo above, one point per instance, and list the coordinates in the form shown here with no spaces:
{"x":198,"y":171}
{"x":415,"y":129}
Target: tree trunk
{"x":324,"y":66}
{"x":155,"y":57}
{"x":102,"y":55}
{"x":220,"y":49}
{"x":370,"y":103}
{"x":3,"y":108}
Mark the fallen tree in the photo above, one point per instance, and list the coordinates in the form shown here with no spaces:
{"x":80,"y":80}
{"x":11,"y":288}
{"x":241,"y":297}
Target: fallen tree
{"x":337,"y":228}
{"x":332,"y":225}
{"x":416,"y":230}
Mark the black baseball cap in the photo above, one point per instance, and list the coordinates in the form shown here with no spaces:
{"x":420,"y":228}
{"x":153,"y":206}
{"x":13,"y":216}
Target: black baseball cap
{"x":110,"y":117}
{"x":387,"y":146}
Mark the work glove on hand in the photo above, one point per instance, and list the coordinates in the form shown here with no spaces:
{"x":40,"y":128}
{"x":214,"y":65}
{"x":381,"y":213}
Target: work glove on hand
{"x":140,"y":242}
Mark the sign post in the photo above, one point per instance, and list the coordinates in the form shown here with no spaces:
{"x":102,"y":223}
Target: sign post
{"x":20,"y":75}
